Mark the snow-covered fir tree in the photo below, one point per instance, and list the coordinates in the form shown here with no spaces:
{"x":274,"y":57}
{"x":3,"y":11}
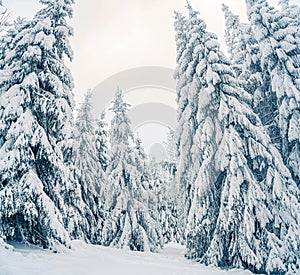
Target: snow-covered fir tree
{"x":141,"y":160}
{"x":169,"y":201}
{"x":40,"y":200}
{"x":88,"y":169}
{"x":101,"y":142}
{"x":129,"y":222}
{"x":245,"y":205}
{"x":278,"y":37}
{"x":168,"y":192}
{"x":171,"y":151}
{"x":183,"y":131}
{"x":207,"y":136}
{"x":188,"y":37}
{"x":102,"y":153}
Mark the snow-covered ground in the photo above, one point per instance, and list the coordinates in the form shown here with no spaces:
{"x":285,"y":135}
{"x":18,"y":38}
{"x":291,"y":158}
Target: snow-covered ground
{"x":89,"y":260}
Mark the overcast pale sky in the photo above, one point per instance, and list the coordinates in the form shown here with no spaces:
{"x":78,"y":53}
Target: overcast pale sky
{"x":115,"y":35}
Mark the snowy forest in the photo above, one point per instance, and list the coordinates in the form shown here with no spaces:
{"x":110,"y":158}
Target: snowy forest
{"x":229,"y":188}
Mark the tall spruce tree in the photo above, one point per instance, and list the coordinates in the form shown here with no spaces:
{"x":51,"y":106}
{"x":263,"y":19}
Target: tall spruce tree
{"x":184,"y":134}
{"x":188,"y":33}
{"x":130,"y":222}
{"x":40,"y":199}
{"x":245,"y":205}
{"x":278,"y":37}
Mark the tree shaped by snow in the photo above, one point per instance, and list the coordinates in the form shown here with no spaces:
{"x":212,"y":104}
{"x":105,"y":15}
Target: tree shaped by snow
{"x":245,"y":207}
{"x":207,"y":179}
{"x":141,"y":160}
{"x":188,"y":32}
{"x":101,"y":142}
{"x":130,"y":222}
{"x":102,"y":153}
{"x":183,"y":133}
{"x":89,"y":171}
{"x":171,"y":151}
{"x":169,"y":201}
{"x":39,"y":197}
{"x":169,"y":193}
{"x":278,"y":37}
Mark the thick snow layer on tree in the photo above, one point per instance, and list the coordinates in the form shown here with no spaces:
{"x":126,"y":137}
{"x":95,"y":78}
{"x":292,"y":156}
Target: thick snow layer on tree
{"x":90,"y":260}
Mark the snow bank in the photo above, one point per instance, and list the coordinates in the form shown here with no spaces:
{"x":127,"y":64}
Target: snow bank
{"x":91,"y":260}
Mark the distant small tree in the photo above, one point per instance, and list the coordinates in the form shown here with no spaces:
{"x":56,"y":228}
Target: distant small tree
{"x":101,"y":142}
{"x":130,"y":221}
{"x":169,"y":202}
